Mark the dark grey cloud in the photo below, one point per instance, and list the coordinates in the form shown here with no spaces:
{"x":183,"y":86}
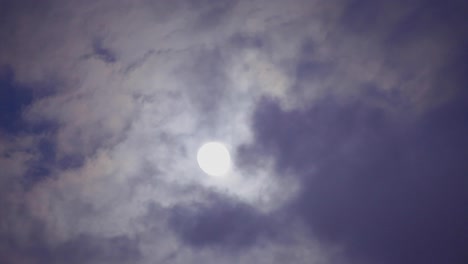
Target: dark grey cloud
{"x":223,"y":223}
{"x":391,"y":190}
{"x":242,"y":40}
{"x":212,"y":13}
{"x":90,"y":249}
{"x":71,"y":161}
{"x":103,"y":53}
{"x":81,"y":249}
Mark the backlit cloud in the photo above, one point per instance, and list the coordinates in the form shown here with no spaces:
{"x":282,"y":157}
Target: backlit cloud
{"x":345,"y":121}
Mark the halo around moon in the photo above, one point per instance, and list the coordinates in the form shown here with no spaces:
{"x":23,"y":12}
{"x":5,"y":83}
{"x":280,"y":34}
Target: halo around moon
{"x":214,"y":159}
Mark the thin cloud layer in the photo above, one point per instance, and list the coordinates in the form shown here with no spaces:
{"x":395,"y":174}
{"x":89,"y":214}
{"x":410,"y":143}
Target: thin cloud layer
{"x":346,"y":121}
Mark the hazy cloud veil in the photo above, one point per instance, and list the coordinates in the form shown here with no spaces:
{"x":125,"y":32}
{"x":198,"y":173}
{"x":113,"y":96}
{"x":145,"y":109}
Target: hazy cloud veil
{"x":346,"y":120}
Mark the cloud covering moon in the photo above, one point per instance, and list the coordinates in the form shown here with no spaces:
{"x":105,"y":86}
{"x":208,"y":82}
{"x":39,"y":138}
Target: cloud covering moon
{"x":345,"y":121}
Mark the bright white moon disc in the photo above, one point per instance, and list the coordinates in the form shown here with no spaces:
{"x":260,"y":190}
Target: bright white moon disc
{"x":214,"y":159}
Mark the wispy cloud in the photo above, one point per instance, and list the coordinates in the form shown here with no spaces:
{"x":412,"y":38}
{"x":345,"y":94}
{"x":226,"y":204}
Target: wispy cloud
{"x":345,"y":120}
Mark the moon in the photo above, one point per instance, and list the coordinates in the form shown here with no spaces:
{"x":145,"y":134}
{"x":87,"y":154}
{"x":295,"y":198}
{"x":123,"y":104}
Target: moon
{"x":214,"y":159}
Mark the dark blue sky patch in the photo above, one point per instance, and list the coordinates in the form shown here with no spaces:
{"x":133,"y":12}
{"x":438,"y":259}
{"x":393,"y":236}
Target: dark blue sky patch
{"x":16,"y":98}
{"x":13,"y":100}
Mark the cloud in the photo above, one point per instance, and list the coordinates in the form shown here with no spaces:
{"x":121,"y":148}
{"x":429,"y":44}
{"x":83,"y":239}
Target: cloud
{"x":386,"y":188}
{"x":222,"y":223}
{"x":341,"y":117}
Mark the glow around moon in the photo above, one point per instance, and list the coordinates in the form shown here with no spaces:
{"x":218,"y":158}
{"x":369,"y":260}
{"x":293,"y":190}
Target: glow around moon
{"x":214,"y":159}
